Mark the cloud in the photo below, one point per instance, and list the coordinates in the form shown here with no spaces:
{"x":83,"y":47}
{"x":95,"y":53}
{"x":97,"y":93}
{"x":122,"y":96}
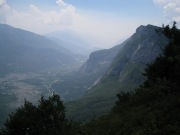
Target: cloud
{"x":103,"y":29}
{"x":171,"y":9}
{"x":4,"y":11}
{"x":2,"y":2}
{"x":165,"y":2}
{"x":42,"y":21}
{"x":61,"y":3}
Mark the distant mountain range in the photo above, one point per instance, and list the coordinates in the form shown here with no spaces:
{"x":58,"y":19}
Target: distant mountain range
{"x":123,"y":74}
{"x":73,"y":41}
{"x":24,"y":51}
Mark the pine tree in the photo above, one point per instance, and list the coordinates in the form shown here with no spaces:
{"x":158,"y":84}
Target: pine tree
{"x":47,"y":118}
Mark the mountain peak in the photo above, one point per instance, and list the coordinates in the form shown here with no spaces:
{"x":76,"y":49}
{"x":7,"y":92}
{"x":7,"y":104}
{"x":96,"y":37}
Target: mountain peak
{"x":146,"y":29}
{"x":141,"y":49}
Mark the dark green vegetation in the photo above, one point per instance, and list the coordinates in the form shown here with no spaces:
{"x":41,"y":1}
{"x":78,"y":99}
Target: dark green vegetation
{"x":123,"y":74}
{"x":46,"y":118}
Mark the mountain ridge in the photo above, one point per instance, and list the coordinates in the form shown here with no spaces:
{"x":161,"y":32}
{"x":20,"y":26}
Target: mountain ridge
{"x":124,"y":73}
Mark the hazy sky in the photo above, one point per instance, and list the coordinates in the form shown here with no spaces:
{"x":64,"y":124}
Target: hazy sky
{"x":105,"y":21}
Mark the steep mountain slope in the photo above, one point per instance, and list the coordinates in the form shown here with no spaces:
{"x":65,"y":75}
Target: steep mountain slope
{"x":153,"y":108}
{"x":74,"y":85}
{"x":100,"y":60}
{"x":124,"y":73}
{"x":22,"y":51}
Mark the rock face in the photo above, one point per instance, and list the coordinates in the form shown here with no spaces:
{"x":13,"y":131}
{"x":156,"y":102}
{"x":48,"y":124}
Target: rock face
{"x":141,"y":48}
{"x":123,"y":74}
{"x":99,"y":61}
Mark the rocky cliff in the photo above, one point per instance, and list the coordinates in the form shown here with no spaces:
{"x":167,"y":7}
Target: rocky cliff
{"x":123,"y":74}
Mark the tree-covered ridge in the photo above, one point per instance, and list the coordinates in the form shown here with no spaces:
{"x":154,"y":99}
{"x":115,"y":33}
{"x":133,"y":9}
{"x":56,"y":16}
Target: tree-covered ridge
{"x":167,"y":65}
{"x":154,"y":108}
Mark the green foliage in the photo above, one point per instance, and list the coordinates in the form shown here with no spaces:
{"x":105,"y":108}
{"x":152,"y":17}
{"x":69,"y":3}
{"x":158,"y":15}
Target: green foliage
{"x":48,"y":117}
{"x":166,"y":67}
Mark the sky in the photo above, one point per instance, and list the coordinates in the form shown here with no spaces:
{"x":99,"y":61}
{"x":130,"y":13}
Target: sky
{"x":105,"y":22}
